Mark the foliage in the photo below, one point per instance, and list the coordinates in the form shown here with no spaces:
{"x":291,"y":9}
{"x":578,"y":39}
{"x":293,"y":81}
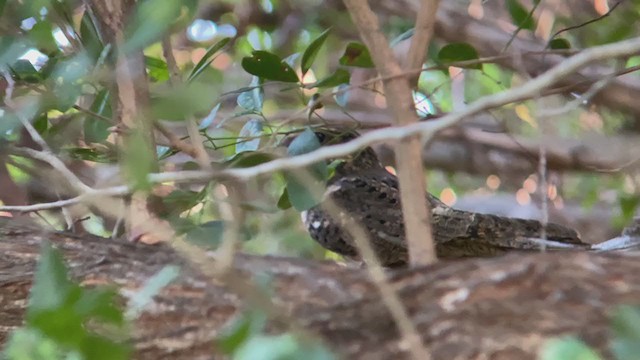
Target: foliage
{"x":244,"y":339}
{"x":59,"y":314}
{"x":625,"y":344}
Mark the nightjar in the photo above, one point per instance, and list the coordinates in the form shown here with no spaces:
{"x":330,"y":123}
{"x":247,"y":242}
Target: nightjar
{"x":369,"y":195}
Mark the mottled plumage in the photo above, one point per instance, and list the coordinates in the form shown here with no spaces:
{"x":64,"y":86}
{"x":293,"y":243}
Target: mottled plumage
{"x":369,"y":194}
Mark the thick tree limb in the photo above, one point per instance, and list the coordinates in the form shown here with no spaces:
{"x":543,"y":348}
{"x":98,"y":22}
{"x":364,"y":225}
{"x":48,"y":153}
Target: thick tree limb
{"x":480,"y":308}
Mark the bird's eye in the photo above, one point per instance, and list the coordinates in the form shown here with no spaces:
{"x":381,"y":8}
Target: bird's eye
{"x":321,"y":137}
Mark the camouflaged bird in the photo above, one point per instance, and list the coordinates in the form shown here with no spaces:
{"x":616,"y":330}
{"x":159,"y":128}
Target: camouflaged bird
{"x":369,"y":195}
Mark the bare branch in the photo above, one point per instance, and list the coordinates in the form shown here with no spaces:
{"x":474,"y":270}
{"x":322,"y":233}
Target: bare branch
{"x":112,"y":191}
{"x":57,"y":164}
{"x":198,"y":151}
{"x":410,"y":172}
{"x":175,"y":141}
{"x":425,"y":24}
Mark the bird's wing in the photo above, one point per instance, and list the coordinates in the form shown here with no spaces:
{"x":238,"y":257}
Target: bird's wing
{"x":503,"y":232}
{"x":373,"y":200}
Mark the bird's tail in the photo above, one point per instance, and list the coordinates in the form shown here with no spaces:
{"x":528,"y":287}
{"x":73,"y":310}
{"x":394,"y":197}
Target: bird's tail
{"x":620,"y":243}
{"x":502,"y":231}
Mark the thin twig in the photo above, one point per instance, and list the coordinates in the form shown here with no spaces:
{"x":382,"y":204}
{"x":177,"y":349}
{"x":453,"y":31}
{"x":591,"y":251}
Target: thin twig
{"x":175,"y":141}
{"x":585,"y":23}
{"x":197,"y":144}
{"x":57,"y":164}
{"x":112,"y":191}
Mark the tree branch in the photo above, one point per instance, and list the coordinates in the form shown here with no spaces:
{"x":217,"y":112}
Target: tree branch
{"x":410,"y":172}
{"x":425,"y":23}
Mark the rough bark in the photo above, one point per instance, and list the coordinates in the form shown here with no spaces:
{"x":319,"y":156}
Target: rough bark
{"x":503,"y":308}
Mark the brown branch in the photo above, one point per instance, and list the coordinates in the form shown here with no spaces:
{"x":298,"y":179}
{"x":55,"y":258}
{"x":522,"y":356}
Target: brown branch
{"x":131,"y":98}
{"x":425,"y":23}
{"x":410,"y":171}
{"x":199,"y":153}
{"x":175,"y":141}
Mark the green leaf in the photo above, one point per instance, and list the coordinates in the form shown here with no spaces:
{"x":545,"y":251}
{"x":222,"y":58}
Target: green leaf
{"x":208,"y":120}
{"x":207,"y":58}
{"x":625,"y":348}
{"x":151,"y":21}
{"x":42,"y":35}
{"x":269,"y":66}
{"x":157,"y":69}
{"x":41,"y":123}
{"x":96,"y":129}
{"x":9,"y":123}
{"x":179,"y":102}
{"x":567,"y":348}
{"x":90,"y":154}
{"x":283,"y":201}
{"x":211,"y":233}
{"x":98,"y":348}
{"x":252,"y":128}
{"x":60,"y":309}
{"x":152,"y":287}
{"x":520,"y":15}
{"x":138,"y":160}
{"x":356,"y":54}
{"x":626,"y":322}
{"x":628,"y":206}
{"x":306,"y":186}
{"x":280,"y":347}
{"x":456,"y":52}
{"x":559,"y":44}
{"x":30,"y":344}
{"x":24,"y":71}
{"x":51,"y":285}
{"x":66,"y":81}
{"x":249,"y":159}
{"x":208,"y":234}
{"x":90,"y":37}
{"x":240,"y":329}
{"x":311,"y":52}
{"x":252,"y":99}
{"x":179,"y":200}
{"x":341,"y":76}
